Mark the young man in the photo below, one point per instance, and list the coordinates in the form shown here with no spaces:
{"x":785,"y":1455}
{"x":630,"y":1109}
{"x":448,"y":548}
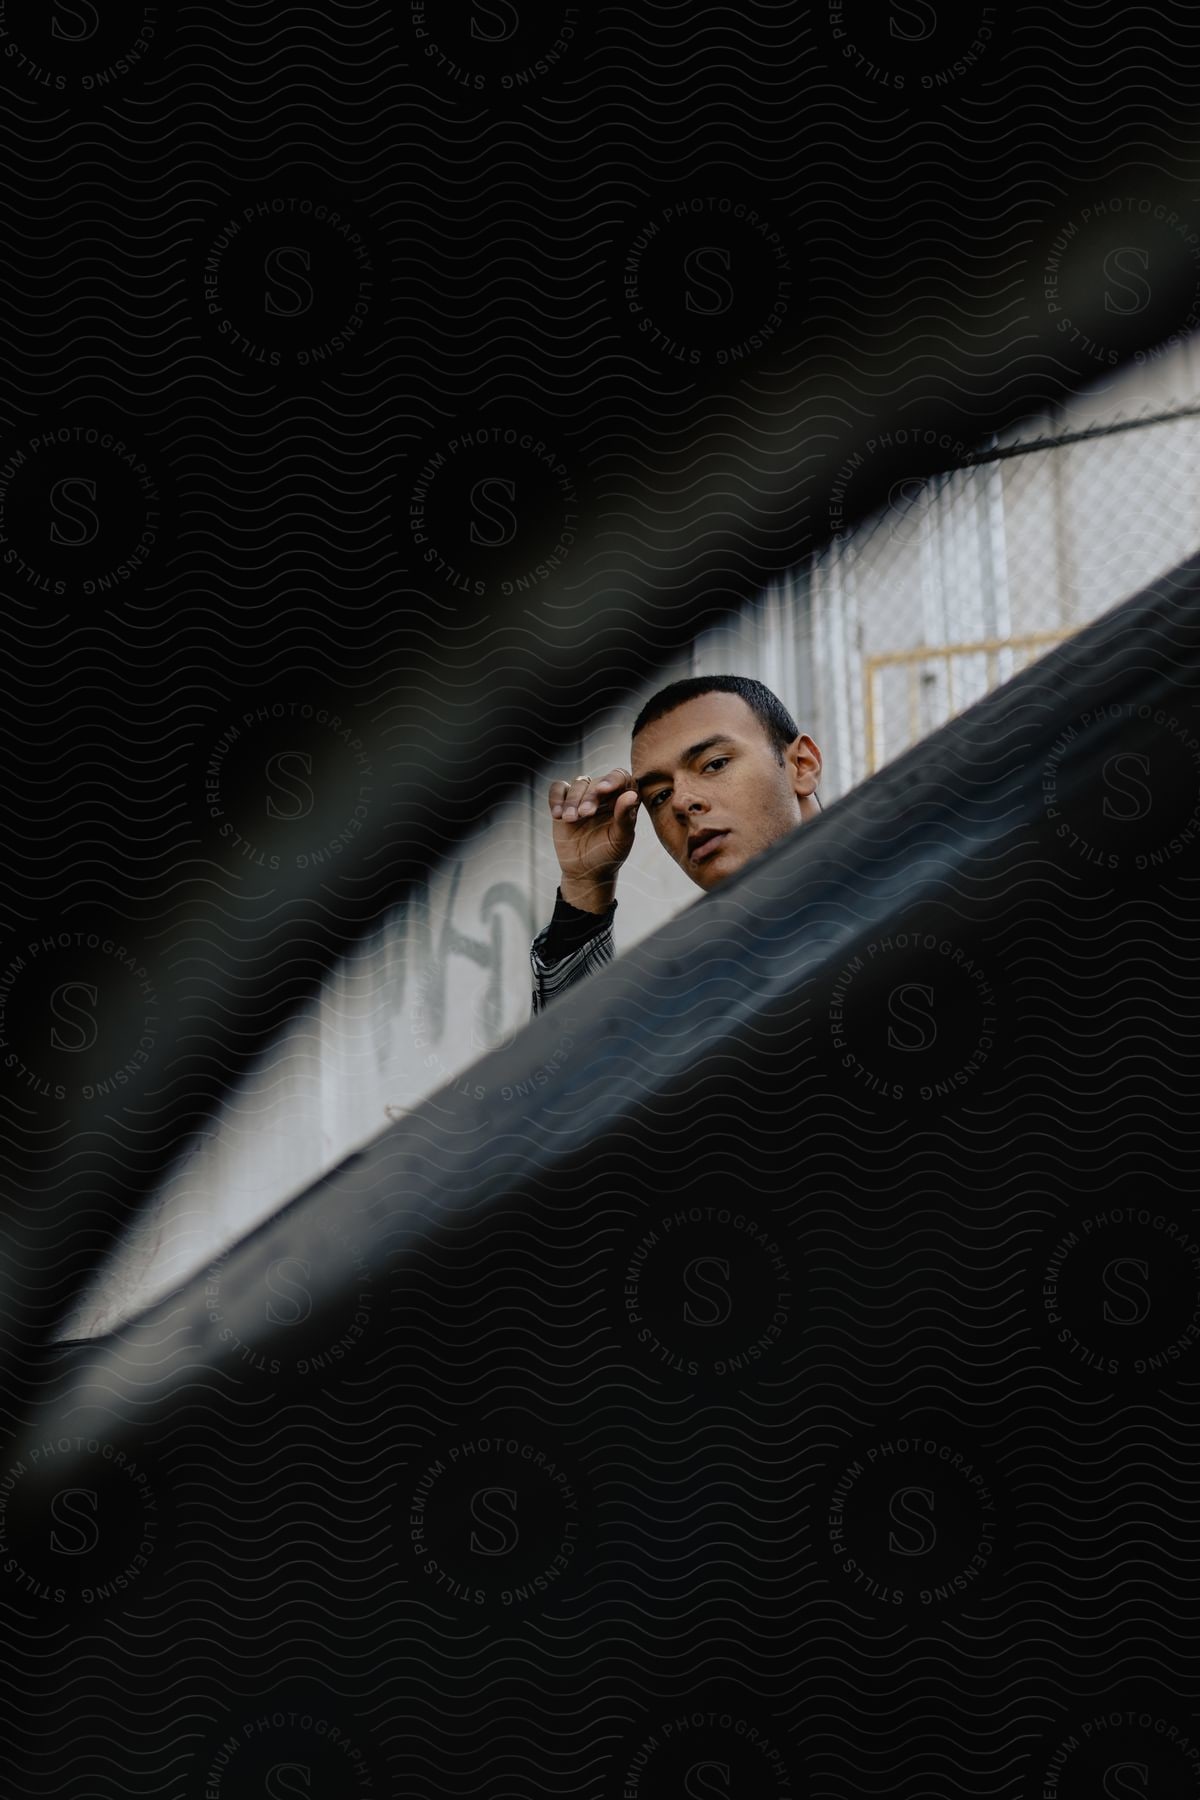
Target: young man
{"x":722,"y":769}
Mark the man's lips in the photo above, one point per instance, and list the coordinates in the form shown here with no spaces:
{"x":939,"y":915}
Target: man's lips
{"x":708,"y":845}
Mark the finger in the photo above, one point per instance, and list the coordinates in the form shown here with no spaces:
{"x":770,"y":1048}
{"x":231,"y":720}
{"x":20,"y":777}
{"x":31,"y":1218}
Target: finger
{"x":574,"y":794}
{"x":625,"y":812}
{"x":604,"y":789}
{"x":556,"y":796}
{"x":564,"y":794}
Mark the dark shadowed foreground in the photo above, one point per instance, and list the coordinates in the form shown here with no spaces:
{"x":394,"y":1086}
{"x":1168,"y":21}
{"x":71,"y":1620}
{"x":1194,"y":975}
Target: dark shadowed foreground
{"x":776,"y":1370}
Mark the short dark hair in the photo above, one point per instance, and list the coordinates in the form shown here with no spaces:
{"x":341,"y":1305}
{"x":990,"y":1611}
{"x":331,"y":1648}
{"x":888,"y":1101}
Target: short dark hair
{"x":772,"y":714}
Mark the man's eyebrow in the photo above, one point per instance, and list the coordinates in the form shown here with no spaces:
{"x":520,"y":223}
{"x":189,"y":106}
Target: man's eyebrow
{"x":688,"y":755}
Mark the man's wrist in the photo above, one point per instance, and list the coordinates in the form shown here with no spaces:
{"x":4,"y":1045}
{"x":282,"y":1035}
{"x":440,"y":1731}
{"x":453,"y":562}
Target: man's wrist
{"x":588,"y":896}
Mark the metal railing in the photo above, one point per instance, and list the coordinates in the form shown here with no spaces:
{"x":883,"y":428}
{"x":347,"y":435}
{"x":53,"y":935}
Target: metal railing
{"x":1003,"y":656}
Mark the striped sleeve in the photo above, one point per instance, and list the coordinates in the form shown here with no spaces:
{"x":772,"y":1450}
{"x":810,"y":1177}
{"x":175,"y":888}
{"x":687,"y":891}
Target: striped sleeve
{"x":559,"y":958}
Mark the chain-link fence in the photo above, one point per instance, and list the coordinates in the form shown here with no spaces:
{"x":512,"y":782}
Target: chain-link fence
{"x":965,"y":578}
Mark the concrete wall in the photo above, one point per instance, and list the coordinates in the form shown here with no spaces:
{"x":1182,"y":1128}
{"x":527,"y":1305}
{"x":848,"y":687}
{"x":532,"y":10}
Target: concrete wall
{"x":1036,"y":542}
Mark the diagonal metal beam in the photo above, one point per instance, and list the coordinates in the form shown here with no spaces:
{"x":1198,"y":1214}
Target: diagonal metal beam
{"x":964,"y":827}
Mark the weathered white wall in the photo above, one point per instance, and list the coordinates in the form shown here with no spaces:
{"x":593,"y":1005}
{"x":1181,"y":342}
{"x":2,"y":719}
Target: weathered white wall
{"x":1043,"y":541}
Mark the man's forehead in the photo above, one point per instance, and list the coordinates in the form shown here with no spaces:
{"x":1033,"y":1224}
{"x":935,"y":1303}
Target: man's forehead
{"x":665,"y":740}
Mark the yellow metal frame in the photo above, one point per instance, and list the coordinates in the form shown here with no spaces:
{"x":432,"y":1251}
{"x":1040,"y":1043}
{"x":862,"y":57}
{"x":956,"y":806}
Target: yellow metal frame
{"x":989,"y":647}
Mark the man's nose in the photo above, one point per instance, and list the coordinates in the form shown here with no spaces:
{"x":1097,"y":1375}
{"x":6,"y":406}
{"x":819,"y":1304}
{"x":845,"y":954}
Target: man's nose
{"x":686,"y":805}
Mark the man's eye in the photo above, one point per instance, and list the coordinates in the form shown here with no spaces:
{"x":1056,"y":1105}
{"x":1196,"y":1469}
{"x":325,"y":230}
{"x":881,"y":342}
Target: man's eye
{"x":715,"y":762}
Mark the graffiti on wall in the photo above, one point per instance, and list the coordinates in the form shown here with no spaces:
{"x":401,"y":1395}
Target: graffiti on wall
{"x":421,"y":970}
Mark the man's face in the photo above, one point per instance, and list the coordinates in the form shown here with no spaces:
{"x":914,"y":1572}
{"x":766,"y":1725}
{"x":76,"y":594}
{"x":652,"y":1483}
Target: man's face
{"x":709,"y":781}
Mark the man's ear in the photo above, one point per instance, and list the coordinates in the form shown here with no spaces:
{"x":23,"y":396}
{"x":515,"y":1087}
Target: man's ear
{"x":803,"y":761}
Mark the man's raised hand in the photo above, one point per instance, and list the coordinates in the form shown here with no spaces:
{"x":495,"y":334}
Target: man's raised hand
{"x":594,"y":823}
